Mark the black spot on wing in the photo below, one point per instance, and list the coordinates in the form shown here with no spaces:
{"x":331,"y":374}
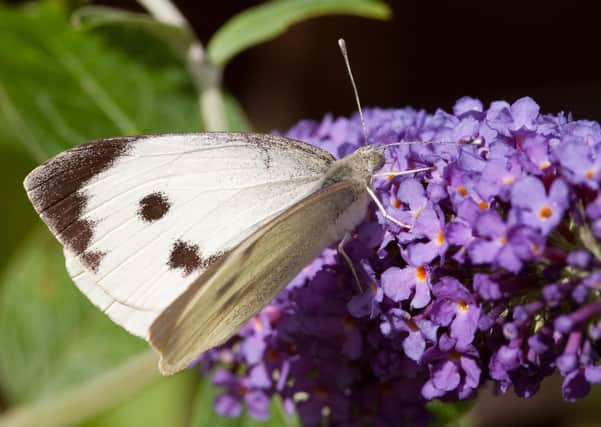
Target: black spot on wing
{"x":92,"y":260}
{"x":184,"y":256}
{"x":153,"y":207}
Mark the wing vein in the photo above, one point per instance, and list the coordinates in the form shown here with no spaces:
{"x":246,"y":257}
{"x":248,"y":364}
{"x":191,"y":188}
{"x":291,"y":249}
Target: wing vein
{"x":99,"y":280}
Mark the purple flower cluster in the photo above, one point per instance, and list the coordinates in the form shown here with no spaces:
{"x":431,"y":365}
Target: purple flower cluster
{"x":498,"y":278}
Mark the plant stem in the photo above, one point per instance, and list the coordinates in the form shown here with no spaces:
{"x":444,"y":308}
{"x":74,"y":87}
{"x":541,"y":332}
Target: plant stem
{"x":165,"y":11}
{"x":212,"y":108}
{"x":206,"y":77}
{"x":91,"y":398}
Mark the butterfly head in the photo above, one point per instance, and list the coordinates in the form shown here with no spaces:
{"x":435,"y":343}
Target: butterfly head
{"x":367,"y":160}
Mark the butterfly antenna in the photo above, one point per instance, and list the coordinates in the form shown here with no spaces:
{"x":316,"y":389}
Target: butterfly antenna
{"x":344,"y":51}
{"x":475,"y":141}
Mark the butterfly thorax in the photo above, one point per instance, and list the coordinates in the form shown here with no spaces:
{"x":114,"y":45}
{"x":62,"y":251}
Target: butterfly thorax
{"x":359,"y":166}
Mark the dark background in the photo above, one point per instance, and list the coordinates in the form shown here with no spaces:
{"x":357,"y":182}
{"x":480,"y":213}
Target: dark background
{"x":427,"y":56}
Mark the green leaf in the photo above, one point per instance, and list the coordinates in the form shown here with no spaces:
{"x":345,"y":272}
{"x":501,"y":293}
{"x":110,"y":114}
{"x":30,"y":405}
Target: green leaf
{"x":17,"y":212}
{"x":269,"y":20}
{"x":448,"y":414}
{"x":52,"y":337}
{"x":205,"y":415}
{"x":60,"y":87}
{"x":165,"y":403}
{"x":92,"y":17}
{"x":94,"y":397}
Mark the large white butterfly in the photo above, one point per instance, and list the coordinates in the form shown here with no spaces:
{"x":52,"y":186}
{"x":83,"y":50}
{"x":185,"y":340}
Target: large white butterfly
{"x":182,"y":238}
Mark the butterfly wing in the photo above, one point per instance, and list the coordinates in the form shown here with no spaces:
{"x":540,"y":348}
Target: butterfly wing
{"x":246,"y":279}
{"x":142,"y":218}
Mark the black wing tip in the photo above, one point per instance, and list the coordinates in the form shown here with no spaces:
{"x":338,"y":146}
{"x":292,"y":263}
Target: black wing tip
{"x":107,"y":148}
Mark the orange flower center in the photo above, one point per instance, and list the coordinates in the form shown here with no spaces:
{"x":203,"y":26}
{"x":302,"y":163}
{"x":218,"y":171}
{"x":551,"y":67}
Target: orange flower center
{"x":412,"y":325}
{"x":483,"y":205}
{"x":462,"y":190}
{"x":544,"y":165}
{"x":440,"y":238}
{"x":258,"y":324}
{"x":503,"y":240}
{"x":545,"y":212}
{"x":420,"y":273}
{"x":590,"y":174}
{"x":396,"y":203}
{"x":454,"y":355}
{"x":463,"y":306}
{"x":535,"y":249}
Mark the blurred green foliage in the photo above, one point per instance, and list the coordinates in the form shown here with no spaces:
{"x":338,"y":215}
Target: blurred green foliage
{"x":91,"y":17}
{"x":166,"y":403}
{"x":59,"y":87}
{"x":449,"y":414}
{"x":43,"y":351}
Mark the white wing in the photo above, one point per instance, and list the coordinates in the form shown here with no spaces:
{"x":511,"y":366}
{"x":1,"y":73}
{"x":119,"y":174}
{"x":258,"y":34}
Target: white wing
{"x":142,"y":218}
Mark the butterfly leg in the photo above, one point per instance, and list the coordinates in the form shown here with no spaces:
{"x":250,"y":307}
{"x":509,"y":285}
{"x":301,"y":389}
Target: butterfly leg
{"x":348,"y":260}
{"x":383,"y":210}
{"x":401,"y":173}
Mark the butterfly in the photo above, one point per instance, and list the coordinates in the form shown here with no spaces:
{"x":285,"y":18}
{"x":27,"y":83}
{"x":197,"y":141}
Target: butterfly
{"x":182,"y":238}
